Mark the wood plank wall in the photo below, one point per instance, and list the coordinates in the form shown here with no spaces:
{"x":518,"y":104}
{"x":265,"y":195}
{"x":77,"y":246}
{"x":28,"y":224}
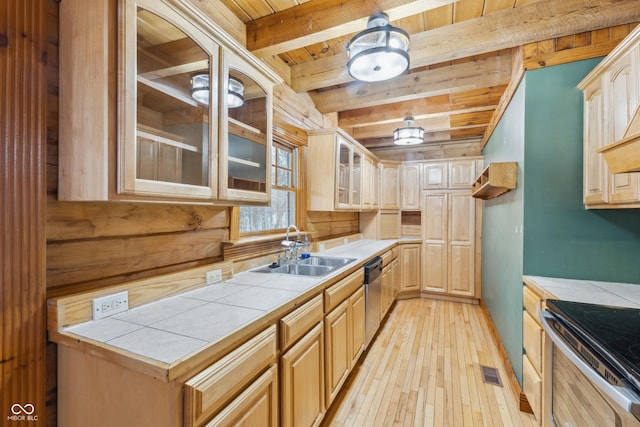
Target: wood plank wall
{"x":23,"y":58}
{"x":326,"y":225}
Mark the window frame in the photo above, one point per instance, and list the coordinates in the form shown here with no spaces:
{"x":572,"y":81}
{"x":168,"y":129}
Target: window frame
{"x":296,"y":157}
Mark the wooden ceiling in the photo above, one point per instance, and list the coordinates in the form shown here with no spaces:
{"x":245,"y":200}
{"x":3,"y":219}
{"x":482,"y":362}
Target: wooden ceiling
{"x":461,"y":59}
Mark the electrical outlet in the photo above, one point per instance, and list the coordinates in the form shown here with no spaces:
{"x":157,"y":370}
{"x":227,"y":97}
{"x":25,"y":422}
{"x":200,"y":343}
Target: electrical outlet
{"x":110,"y":304}
{"x":213,"y":276}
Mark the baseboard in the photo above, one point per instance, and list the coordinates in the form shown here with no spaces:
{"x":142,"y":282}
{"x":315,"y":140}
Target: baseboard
{"x":524,"y":403}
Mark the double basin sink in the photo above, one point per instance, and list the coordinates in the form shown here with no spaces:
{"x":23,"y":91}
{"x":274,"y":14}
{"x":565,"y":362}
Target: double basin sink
{"x":315,"y":266}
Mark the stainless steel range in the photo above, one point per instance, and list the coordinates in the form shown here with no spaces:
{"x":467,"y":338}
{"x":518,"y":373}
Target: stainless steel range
{"x":594,"y":364}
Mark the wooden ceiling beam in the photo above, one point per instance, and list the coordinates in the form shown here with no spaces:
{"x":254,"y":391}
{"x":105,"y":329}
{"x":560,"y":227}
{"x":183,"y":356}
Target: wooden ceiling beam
{"x":541,"y":20}
{"x":318,"y":21}
{"x":493,"y":71}
{"x":477,"y":100}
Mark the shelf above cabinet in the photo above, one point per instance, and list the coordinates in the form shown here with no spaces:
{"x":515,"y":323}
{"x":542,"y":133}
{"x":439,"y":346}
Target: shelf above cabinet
{"x":495,"y":180}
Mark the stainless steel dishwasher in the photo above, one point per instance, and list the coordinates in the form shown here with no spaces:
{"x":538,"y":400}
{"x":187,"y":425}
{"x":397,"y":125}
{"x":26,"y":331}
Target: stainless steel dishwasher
{"x":372,"y":296}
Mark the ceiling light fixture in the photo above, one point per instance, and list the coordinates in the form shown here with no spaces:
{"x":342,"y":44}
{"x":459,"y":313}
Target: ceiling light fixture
{"x":200,"y":90}
{"x":410,"y":135}
{"x":200,"y":87}
{"x":379,"y":52}
{"x":235,"y":94}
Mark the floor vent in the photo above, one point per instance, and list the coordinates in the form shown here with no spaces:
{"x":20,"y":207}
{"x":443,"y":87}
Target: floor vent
{"x":490,"y":376}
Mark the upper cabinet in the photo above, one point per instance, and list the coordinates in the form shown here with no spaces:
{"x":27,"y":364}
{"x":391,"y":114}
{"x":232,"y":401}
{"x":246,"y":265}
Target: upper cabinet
{"x":341,"y":174}
{"x":160,"y":105}
{"x":611,"y":101}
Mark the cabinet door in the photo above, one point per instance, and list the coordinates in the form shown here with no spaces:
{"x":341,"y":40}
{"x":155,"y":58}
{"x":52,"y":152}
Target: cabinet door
{"x":344,"y":174}
{"x":256,"y":406}
{"x":356,"y":180}
{"x":461,"y":254}
{"x":595,"y":168}
{"x":462,"y":173}
{"x":302,"y":387}
{"x":395,"y":272}
{"x":435,"y":242}
{"x":356,"y":318}
{"x":160,"y":108}
{"x":410,"y":186}
{"x":245,"y":140}
{"x":387,"y":284}
{"x":390,"y":187}
{"x":410,"y":267}
{"x":435,"y":176}
{"x":622,"y":87}
{"x":337,"y":353}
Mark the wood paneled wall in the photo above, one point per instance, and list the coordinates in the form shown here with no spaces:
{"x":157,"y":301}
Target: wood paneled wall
{"x":326,"y":225}
{"x":23,"y":58}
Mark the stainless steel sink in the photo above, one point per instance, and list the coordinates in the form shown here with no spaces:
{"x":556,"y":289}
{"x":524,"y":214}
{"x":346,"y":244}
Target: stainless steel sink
{"x":314,"y":266}
{"x":328,"y":261}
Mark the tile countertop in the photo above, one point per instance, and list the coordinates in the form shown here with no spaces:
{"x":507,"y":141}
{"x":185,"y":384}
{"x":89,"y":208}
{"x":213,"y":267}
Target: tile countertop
{"x":174,"y":329}
{"x":587,"y":291}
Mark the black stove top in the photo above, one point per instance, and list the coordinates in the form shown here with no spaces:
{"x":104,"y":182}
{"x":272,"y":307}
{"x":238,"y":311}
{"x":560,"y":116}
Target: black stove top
{"x":615,"y":329}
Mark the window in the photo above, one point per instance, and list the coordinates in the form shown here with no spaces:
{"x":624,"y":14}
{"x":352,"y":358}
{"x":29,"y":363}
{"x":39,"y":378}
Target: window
{"x":282,"y":212}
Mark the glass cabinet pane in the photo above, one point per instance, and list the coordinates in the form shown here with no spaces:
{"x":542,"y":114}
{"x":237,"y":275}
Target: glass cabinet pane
{"x":172,"y":104}
{"x":356,"y":180}
{"x":344,"y":172}
{"x":247,"y":155}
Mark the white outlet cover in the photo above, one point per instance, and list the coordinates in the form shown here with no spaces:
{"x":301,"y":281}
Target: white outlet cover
{"x":213,"y":276}
{"x":110,"y":305}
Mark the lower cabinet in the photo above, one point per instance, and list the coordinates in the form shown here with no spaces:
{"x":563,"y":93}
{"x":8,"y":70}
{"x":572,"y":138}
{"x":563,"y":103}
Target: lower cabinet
{"x":302,"y":386}
{"x":231,"y":379}
{"x":533,"y":346}
{"x":256,"y":406}
{"x":410,"y":263}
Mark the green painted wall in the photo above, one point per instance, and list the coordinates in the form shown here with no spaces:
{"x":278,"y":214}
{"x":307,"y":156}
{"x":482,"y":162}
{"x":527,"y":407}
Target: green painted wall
{"x":562,"y":239}
{"x":502,"y":233}
{"x":542,"y":131}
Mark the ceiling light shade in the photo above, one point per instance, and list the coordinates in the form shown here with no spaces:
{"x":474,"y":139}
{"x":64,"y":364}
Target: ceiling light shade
{"x":200,"y":88}
{"x":235,"y":94}
{"x":378,"y":53}
{"x":410,"y":135}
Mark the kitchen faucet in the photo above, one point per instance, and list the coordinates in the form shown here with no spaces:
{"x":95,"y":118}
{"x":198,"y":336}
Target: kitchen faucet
{"x":292,"y":246}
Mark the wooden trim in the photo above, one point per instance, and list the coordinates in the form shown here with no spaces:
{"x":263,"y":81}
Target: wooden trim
{"x":524,"y":404}
{"x":23,"y":137}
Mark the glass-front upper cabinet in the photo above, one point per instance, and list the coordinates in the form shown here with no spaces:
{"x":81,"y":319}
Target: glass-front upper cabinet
{"x":343,"y":180}
{"x":245,"y":140}
{"x":356,"y":180}
{"x":170,"y":127}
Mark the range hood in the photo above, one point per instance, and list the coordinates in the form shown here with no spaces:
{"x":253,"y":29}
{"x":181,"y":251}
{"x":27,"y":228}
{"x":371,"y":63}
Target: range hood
{"x":624,"y":155}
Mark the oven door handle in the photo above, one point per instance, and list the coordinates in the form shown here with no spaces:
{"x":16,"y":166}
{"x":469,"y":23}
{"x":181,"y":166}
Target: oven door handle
{"x":624,"y":397}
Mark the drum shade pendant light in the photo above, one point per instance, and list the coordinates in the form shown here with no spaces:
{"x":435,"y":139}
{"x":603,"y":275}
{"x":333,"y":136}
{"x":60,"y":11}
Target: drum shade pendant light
{"x":200,"y":90}
{"x":410,"y":135}
{"x":378,"y":53}
{"x":235,"y":94}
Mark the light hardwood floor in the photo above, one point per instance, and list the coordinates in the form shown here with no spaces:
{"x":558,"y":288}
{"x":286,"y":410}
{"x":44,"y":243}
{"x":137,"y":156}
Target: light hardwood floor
{"x":423,"y":369}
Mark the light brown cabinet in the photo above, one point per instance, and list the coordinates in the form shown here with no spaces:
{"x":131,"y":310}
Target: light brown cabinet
{"x":611,"y":100}
{"x":449,"y":243}
{"x":410,"y":267}
{"x":533,"y":344}
{"x":303,"y":380}
{"x":137,"y":128}
{"x":410,"y":185}
{"x":344,"y":331}
{"x":335,"y":176}
{"x":390,"y":186}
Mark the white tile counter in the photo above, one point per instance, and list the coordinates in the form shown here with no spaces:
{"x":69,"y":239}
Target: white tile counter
{"x":587,"y":291}
{"x":175,"y":328}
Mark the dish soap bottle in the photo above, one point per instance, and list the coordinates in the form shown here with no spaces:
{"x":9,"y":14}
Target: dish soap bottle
{"x":306,"y":247}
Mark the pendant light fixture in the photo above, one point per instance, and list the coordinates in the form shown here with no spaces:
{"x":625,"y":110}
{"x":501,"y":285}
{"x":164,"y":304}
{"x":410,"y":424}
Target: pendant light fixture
{"x":378,"y":53}
{"x":410,"y":135}
{"x":235,"y":94}
{"x":200,"y":90}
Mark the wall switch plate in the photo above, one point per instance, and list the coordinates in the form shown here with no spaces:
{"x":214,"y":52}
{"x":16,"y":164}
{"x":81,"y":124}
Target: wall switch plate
{"x":110,"y":304}
{"x":213,"y":276}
